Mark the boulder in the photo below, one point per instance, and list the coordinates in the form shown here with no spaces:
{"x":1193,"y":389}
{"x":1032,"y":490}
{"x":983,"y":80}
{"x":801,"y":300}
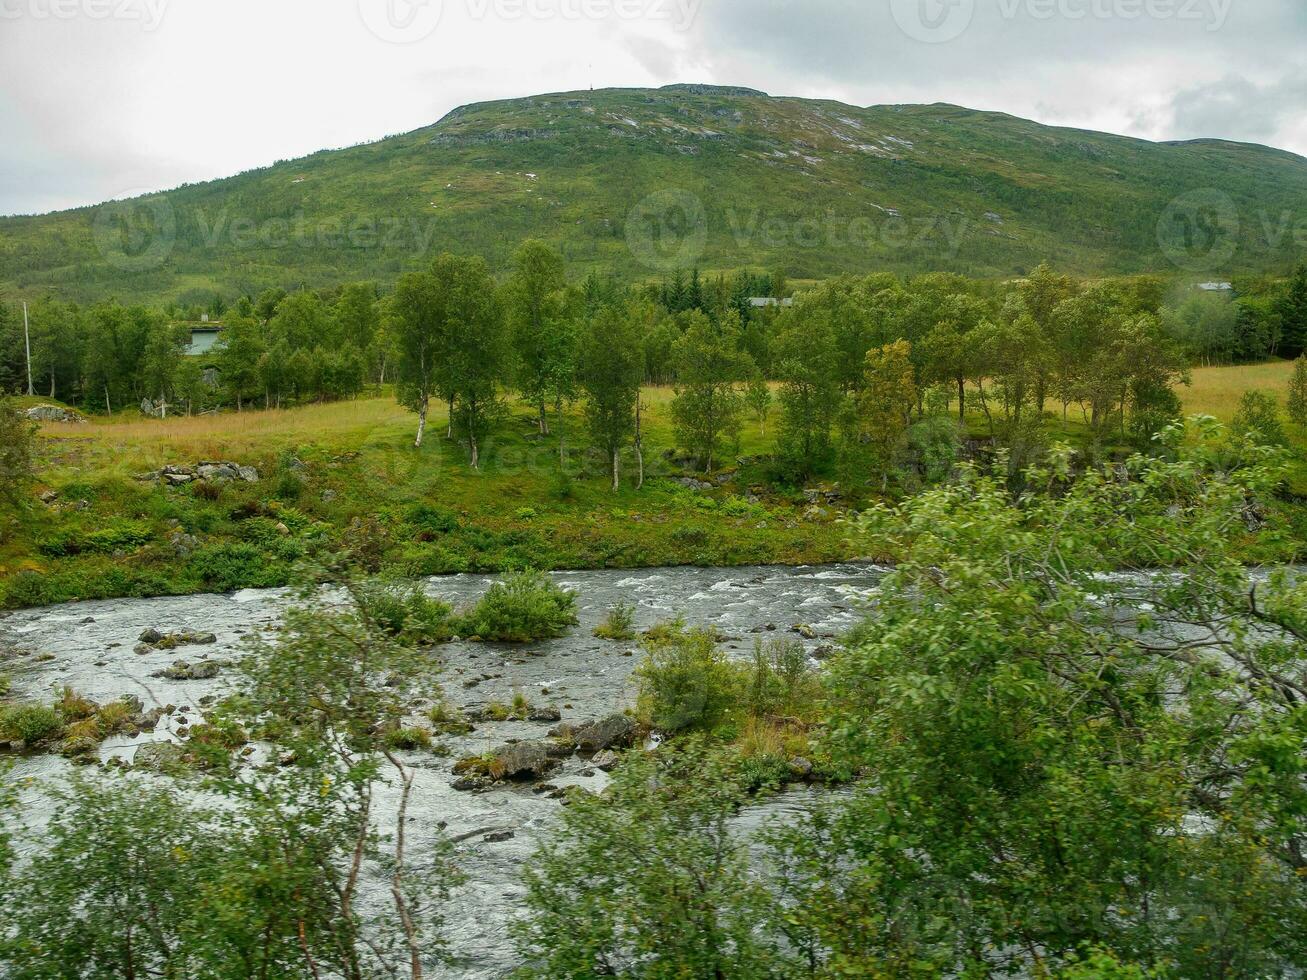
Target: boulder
{"x":606,"y":760}
{"x":183,"y":671}
{"x":545,"y":715}
{"x":800,"y":768}
{"x":52,"y":413}
{"x":159,"y":756}
{"x":522,"y":760}
{"x":615,"y":731}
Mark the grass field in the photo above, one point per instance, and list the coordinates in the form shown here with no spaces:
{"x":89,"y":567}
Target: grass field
{"x":346,"y":476}
{"x":1216,"y":390}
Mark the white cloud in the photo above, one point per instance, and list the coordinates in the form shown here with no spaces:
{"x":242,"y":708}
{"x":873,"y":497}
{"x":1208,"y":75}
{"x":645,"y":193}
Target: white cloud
{"x":91,"y":106}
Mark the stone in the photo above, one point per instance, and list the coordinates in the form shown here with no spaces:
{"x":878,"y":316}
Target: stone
{"x":469,"y":784}
{"x":545,"y":715}
{"x":183,"y":671}
{"x":150,"y":636}
{"x":613,"y":731}
{"x":804,"y":630}
{"x":159,"y":756}
{"x":606,"y":760}
{"x":800,"y":768}
{"x":52,"y":413}
{"x":328,"y":496}
{"x":523,"y":760}
{"x":498,"y":836}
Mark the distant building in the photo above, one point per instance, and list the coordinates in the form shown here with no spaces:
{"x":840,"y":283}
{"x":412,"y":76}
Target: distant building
{"x":203,"y":339}
{"x":1215,"y":287}
{"x":759,"y":302}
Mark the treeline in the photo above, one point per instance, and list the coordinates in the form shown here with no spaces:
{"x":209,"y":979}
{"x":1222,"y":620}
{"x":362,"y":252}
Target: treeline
{"x":866,"y":370}
{"x":275,"y":348}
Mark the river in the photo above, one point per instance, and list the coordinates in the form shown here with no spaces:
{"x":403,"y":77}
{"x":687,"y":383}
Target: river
{"x":89,"y":646}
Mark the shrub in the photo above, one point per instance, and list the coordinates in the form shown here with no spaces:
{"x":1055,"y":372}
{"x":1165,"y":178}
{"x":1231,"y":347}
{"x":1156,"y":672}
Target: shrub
{"x":1298,"y":391}
{"x":522,"y":608}
{"x":30,"y":723}
{"x":437,"y":520}
{"x":1260,"y":415}
{"x":448,"y":719}
{"x":619,"y":624}
{"x":227,"y":567}
{"x":408,"y":739}
{"x":406,"y":613}
{"x":17,"y":439}
{"x":686,"y":682}
{"x":780,"y":680}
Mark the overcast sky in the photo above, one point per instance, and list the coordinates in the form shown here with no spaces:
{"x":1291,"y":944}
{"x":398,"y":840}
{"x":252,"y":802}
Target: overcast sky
{"x":107,"y":98}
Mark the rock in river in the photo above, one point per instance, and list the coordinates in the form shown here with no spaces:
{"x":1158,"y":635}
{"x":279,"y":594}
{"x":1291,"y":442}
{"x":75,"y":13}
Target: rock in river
{"x":615,"y":731}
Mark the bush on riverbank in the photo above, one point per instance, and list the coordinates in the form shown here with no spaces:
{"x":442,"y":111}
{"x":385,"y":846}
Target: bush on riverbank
{"x":521,"y":608}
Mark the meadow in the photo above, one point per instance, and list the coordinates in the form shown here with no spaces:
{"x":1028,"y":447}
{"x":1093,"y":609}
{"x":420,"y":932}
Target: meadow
{"x":343,"y":477}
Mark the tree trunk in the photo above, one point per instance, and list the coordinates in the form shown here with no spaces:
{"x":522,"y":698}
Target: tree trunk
{"x":543,"y":419}
{"x":422,"y":423}
{"x":108,"y":409}
{"x":617,"y":482}
{"x":449,"y":430}
{"x":639,"y":445}
{"x":962,"y":401}
{"x":472,"y":440}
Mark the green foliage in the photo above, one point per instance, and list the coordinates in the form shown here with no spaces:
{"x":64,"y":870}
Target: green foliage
{"x":688,"y":907}
{"x":1050,"y":761}
{"x":1090,"y":201}
{"x":29,"y":723}
{"x":405,"y":612}
{"x":1297,"y":401}
{"x":707,"y":408}
{"x":780,"y":681}
{"x":17,"y":439}
{"x":1259,"y":417}
{"x":523,"y":607}
{"x":228,"y":567}
{"x":618,"y":624}
{"x":686,"y":681}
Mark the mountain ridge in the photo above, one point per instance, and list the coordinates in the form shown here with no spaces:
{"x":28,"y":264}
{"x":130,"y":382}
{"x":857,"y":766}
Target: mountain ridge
{"x":816,"y":187}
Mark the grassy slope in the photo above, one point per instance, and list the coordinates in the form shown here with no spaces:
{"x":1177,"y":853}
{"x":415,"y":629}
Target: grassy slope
{"x":510,"y":514}
{"x":1088,"y":202}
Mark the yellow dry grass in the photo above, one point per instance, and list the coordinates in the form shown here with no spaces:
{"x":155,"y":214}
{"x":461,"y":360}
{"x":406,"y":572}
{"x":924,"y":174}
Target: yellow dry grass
{"x":1216,"y":390}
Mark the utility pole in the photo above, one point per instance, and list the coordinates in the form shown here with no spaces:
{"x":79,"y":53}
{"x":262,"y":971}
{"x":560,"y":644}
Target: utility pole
{"x":27,"y":339}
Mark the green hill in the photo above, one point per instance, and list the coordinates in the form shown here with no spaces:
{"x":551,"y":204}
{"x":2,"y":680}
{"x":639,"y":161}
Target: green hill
{"x":737,"y":178}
